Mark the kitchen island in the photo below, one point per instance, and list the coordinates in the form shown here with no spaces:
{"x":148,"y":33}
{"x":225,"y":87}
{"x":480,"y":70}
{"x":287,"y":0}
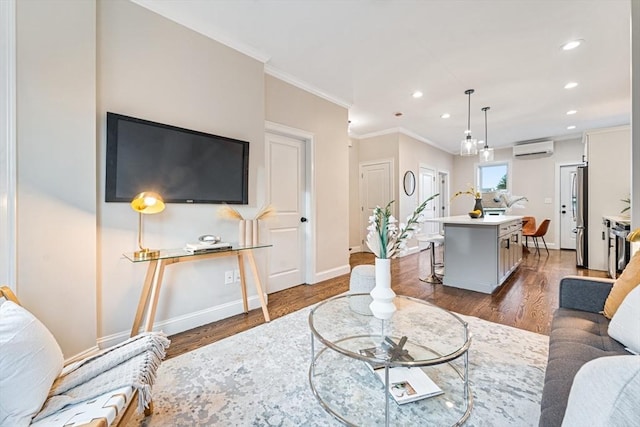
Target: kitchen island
{"x":480,"y":254}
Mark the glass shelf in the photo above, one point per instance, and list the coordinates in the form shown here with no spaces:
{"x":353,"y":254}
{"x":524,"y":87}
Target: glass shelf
{"x":182,"y":252}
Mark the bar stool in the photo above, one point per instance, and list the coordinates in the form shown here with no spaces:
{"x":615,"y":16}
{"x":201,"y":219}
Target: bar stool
{"x":432,"y":239}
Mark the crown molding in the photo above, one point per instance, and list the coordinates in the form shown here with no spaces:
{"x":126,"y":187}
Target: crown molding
{"x":279,"y":74}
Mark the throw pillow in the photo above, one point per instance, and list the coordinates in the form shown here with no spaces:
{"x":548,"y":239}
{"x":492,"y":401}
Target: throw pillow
{"x":30,"y":360}
{"x":629,"y":279}
{"x":625,"y":325}
{"x":605,"y":392}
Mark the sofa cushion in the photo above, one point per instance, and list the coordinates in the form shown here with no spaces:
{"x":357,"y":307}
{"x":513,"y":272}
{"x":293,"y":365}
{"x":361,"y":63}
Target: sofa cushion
{"x":605,"y":392}
{"x":625,"y":325}
{"x":30,"y":359}
{"x":629,"y":279}
{"x":576,"y":338}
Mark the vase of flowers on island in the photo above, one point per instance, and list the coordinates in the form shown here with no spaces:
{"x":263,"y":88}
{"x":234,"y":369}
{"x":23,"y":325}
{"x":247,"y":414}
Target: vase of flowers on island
{"x":387,"y":240}
{"x":478,"y":211}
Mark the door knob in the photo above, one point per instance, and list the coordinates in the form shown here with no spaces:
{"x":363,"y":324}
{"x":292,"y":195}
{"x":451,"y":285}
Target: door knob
{"x":303,"y":219}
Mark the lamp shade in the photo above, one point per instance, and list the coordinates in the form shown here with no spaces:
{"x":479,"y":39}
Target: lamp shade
{"x":147,"y":202}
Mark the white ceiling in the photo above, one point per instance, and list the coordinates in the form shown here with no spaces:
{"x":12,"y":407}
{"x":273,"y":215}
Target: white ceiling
{"x":371,"y":55}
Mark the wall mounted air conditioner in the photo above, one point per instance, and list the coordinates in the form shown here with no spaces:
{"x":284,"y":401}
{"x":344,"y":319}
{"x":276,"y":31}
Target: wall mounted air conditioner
{"x":533,"y":148}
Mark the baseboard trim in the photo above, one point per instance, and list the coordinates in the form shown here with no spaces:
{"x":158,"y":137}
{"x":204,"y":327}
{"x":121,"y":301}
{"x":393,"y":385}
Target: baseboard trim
{"x":83,"y":354}
{"x":331,"y":273}
{"x":187,"y":321}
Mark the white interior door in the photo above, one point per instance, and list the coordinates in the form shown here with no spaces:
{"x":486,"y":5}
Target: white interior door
{"x":286,"y":192}
{"x":375,"y":190}
{"x":427,"y":187}
{"x":443,"y":198}
{"x":567,"y":207}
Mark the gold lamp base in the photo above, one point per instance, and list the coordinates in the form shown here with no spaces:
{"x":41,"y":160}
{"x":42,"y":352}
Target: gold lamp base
{"x":146,"y":254}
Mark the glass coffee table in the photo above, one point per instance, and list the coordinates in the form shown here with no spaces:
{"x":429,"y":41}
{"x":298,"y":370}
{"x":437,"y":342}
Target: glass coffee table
{"x":419,"y":336}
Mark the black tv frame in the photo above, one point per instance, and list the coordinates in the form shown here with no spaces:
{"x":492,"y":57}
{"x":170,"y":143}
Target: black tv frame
{"x":112,"y":152}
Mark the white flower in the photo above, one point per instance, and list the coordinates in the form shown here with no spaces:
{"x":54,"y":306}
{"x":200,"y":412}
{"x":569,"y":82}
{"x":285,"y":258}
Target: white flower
{"x":385,"y":237}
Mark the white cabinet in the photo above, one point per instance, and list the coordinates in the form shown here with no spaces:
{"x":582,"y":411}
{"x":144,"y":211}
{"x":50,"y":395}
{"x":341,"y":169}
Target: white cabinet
{"x":480,"y":255}
{"x":510,"y":247}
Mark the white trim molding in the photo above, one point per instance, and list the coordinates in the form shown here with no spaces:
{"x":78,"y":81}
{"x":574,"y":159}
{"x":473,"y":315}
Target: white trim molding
{"x":8,"y":143}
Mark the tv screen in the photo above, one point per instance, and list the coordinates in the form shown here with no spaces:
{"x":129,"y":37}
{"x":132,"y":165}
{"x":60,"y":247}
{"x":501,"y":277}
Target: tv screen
{"x":183,"y":166}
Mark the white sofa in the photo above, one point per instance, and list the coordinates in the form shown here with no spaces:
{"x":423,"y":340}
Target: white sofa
{"x":37,"y":390}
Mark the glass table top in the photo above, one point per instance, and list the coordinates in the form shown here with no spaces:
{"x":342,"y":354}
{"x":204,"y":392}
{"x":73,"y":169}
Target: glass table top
{"x":433,"y":335}
{"x":182,"y":252}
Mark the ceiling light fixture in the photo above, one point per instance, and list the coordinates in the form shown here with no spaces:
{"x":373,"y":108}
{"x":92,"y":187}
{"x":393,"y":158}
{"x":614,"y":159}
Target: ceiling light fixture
{"x":571,"y":127}
{"x":571,"y":112}
{"x":445,"y":116}
{"x":417,"y":94}
{"x":570,"y":45}
{"x":486,"y":154}
{"x":570,"y":85}
{"x":469,"y":146}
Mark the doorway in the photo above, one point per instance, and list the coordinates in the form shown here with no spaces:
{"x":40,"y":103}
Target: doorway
{"x":567,"y":221}
{"x":375,"y":190}
{"x":443,"y":198}
{"x":286,"y":189}
{"x":427,"y":187}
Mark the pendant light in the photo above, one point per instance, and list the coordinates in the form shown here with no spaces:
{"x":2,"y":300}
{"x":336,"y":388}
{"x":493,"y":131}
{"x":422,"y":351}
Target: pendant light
{"x":486,"y":154}
{"x":469,"y":146}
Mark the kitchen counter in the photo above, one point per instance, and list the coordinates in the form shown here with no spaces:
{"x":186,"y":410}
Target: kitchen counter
{"x":618,"y":219}
{"x":490,"y":220}
{"x":481,"y":253}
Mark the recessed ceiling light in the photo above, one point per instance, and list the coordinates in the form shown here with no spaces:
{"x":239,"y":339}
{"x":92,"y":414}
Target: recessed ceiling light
{"x":445,"y":116}
{"x":571,"y":127}
{"x":572,"y":44}
{"x":570,"y":85}
{"x":571,"y":112}
{"x":417,"y":94}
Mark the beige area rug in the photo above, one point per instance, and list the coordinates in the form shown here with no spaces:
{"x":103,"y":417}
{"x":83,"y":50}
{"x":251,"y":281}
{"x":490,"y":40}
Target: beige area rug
{"x":260,"y":378}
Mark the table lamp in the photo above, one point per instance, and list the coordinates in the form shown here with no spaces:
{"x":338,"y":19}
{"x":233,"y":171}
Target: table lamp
{"x":146,"y":202}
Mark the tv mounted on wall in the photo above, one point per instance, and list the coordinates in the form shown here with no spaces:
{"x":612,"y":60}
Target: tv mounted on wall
{"x":182,"y":165}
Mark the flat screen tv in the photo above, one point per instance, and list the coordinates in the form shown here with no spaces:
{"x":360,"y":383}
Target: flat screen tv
{"x":183,"y":166}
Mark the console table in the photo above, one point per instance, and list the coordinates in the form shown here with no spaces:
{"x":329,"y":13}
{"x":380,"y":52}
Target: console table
{"x":153,"y":280}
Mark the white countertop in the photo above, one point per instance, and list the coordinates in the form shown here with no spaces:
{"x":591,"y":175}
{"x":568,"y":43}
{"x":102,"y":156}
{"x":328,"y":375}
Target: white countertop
{"x":619,"y":219}
{"x":467,"y":220}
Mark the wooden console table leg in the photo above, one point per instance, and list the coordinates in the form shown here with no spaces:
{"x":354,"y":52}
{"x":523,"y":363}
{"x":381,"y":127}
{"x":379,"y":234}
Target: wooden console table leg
{"x":144,"y":297}
{"x":256,"y":277}
{"x":155,"y":294}
{"x":243,"y":283}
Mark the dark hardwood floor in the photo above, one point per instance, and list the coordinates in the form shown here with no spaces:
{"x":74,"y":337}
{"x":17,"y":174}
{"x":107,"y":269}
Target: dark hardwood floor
{"x":526,"y":301}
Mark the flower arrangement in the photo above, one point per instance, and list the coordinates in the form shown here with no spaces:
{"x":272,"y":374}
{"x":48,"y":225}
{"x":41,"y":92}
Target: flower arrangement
{"x":385,"y":238}
{"x":471,"y":191}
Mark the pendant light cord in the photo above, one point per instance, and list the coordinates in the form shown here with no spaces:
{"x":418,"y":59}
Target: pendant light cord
{"x":469,"y":92}
{"x":486,"y":140}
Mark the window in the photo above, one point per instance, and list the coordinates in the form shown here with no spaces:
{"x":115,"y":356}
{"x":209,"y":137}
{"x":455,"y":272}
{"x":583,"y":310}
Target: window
{"x":493,"y":177}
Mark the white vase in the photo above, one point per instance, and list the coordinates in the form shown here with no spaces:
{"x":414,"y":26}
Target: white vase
{"x":382,"y":306}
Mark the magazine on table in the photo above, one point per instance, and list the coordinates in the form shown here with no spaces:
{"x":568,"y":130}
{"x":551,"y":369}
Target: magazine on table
{"x":405,"y":384}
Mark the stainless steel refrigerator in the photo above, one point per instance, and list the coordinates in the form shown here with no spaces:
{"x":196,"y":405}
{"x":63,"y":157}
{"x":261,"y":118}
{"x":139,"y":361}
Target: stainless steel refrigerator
{"x":580,"y":204}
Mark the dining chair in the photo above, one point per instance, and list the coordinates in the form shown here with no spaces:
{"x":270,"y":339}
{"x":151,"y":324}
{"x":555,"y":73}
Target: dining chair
{"x":528,"y":228}
{"x":540,"y":232}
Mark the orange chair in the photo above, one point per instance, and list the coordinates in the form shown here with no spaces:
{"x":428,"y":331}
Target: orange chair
{"x":540,"y":232}
{"x":528,"y":228}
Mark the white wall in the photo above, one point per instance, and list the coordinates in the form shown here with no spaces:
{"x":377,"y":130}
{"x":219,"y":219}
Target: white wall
{"x":152,"y":68}
{"x":408,"y":154}
{"x":609,"y":154}
{"x":56,"y":167}
{"x":290,"y":106}
{"x":533,"y":177}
